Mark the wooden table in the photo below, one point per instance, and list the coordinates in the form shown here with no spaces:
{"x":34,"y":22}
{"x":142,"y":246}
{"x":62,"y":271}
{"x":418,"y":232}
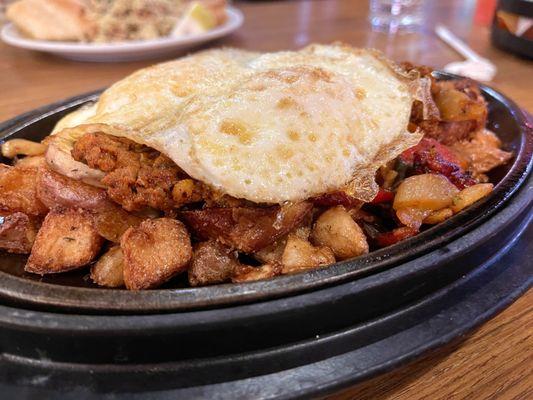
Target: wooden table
{"x":494,"y":362}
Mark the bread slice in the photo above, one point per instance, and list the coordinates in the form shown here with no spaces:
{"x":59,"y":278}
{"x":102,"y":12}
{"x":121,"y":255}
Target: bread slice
{"x":51,"y":19}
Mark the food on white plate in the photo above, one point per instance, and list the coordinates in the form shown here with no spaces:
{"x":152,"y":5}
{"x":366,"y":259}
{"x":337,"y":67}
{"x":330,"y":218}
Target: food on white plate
{"x":103,"y":21}
{"x":235,"y":166}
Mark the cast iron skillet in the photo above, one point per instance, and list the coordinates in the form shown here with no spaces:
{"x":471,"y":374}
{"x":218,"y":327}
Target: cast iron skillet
{"x":73,"y":292}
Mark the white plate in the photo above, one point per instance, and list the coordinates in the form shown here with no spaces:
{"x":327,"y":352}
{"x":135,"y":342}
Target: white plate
{"x":122,"y":51}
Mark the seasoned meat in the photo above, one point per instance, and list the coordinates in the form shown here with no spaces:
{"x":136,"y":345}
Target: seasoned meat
{"x":154,"y":252}
{"x":137,"y":176}
{"x":67,"y":240}
{"x":483,"y":153}
{"x":17,"y":233}
{"x":246,"y":229}
{"x":212,"y":262}
{"x":18,"y":191}
{"x":336,"y":198}
{"x":430,"y":156}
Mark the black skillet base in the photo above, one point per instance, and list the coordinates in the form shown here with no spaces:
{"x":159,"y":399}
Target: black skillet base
{"x":492,"y":272}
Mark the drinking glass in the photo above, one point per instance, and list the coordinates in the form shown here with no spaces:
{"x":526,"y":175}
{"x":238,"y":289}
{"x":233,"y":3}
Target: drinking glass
{"x":394,"y":15}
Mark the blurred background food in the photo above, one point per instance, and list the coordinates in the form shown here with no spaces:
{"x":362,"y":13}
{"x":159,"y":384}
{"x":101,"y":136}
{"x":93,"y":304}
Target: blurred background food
{"x":113,"y":20}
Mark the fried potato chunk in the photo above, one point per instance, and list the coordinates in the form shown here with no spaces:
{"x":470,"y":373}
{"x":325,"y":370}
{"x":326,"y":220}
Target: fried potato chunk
{"x":55,"y":190}
{"x":67,"y":240}
{"x":18,"y":191}
{"x":300,"y":255}
{"x":246,"y":273}
{"x":17,"y":233}
{"x":109,"y":269}
{"x":112,"y":221}
{"x":154,"y":252}
{"x":336,"y":229}
{"x":212,"y":262}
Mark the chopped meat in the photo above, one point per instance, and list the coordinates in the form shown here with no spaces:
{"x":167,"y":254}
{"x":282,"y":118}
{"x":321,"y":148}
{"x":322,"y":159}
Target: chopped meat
{"x":154,"y":252}
{"x":137,"y":176}
{"x":429,"y":156}
{"x":483,"y":153}
{"x":18,"y":191}
{"x":246,"y":229}
{"x":17,"y":233}
{"x":397,"y":235}
{"x":337,"y":198}
{"x":67,"y":240}
{"x":448,"y":132}
{"x":212,"y":262}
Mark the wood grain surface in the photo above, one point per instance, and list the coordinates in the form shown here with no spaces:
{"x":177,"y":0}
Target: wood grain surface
{"x":496,"y":361}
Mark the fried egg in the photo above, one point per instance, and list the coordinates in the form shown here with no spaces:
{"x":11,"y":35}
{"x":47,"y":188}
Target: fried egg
{"x":271,"y":127}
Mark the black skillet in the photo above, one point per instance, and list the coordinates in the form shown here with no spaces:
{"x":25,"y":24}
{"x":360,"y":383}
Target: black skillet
{"x":287,"y":337}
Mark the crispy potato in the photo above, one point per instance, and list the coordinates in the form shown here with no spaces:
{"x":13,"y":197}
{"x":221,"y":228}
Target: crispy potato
{"x":212,"y":262}
{"x":67,"y":240}
{"x":112,"y":221}
{"x":18,"y":191}
{"x":272,"y":253}
{"x":300,"y":255}
{"x":14,"y":147}
{"x":336,"y":229}
{"x":56,"y":190}
{"x":426,"y":191}
{"x":246,"y":273}
{"x":109,"y":269}
{"x":436,"y":217}
{"x":246,"y":229}
{"x":470,"y":195}
{"x":455,"y":105}
{"x":17,"y":233}
{"x":154,"y":252}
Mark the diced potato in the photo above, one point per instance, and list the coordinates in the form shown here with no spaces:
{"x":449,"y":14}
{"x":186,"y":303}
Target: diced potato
{"x":336,"y":229}
{"x":56,"y":190}
{"x":412,"y":217}
{"x":300,"y":255}
{"x":15,"y":147}
{"x":212,"y":262}
{"x":245,"y":273}
{"x":426,"y":191}
{"x":455,"y":105}
{"x":154,"y":252}
{"x":17,"y":233}
{"x":436,"y":217}
{"x":272,"y":253}
{"x":112,"y":221}
{"x":18,"y":191}
{"x":67,"y":240}
{"x":109,"y":269}
{"x":470,"y":195}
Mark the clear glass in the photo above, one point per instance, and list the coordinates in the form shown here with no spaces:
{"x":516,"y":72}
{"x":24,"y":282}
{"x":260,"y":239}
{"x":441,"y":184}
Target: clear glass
{"x":395,"y":15}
